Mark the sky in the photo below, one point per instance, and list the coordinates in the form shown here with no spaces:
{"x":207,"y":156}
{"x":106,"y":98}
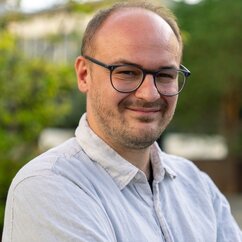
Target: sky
{"x":31,"y":5}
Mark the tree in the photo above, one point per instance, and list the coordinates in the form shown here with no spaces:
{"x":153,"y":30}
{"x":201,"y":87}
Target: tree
{"x":34,"y":94}
{"x":211,"y":101}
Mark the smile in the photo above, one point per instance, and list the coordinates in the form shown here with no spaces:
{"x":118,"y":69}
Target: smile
{"x":144,"y":110}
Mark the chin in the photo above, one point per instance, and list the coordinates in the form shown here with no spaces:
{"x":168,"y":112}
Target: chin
{"x":144,"y":138}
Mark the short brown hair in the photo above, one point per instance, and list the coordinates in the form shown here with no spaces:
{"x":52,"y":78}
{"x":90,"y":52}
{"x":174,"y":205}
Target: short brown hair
{"x":102,"y":15}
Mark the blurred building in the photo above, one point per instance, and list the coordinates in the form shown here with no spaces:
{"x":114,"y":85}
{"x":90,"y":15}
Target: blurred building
{"x":54,"y":34}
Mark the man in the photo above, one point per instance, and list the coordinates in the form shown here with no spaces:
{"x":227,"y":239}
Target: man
{"x":112,"y":182}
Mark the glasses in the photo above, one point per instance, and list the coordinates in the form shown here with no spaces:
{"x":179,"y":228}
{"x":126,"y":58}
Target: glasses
{"x":126,"y":78}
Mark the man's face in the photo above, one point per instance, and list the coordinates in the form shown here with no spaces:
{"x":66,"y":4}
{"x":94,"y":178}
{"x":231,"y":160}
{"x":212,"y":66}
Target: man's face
{"x":131,"y":120}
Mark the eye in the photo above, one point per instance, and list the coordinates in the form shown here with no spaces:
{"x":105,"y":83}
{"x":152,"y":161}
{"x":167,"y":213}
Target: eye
{"x":166,"y":75}
{"x":127,"y":72}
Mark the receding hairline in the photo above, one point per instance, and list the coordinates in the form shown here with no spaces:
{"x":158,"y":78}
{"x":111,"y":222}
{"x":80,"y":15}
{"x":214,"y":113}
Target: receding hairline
{"x":99,"y":19}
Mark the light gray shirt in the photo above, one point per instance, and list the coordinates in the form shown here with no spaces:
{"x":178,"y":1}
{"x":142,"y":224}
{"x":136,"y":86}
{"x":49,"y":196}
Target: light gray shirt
{"x":84,"y":191}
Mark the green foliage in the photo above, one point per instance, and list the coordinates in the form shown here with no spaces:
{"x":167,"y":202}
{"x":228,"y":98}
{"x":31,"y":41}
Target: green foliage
{"x":89,"y":7}
{"x":34,"y":94}
{"x":213,"y":52}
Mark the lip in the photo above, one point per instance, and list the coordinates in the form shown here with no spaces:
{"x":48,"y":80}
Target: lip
{"x":144,"y":110}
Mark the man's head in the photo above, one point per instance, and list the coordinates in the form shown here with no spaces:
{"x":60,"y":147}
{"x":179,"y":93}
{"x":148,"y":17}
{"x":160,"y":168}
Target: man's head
{"x":97,"y":21}
{"x":132,"y":34}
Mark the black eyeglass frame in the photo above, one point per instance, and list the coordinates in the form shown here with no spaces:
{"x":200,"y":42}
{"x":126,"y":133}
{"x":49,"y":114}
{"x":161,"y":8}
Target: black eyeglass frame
{"x":111,"y":68}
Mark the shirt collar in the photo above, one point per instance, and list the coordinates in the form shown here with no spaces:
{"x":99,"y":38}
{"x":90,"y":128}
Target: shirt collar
{"x":160,"y":169}
{"x":116,"y":166}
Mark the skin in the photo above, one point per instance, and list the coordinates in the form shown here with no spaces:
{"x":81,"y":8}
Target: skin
{"x":130,"y":122}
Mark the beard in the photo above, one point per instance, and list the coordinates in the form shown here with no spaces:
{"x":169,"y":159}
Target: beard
{"x":115,"y":128}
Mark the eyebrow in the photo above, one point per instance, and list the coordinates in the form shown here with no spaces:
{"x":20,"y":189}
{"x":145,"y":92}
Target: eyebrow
{"x":127,"y":62}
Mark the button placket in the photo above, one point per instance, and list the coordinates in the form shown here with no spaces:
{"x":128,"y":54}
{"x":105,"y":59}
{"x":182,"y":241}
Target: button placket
{"x":157,"y":205}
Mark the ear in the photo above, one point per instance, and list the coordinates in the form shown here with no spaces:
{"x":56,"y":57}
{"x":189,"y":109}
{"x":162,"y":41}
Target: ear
{"x":82,"y":73}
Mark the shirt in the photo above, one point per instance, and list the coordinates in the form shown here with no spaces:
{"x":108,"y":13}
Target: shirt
{"x":83,"y":191}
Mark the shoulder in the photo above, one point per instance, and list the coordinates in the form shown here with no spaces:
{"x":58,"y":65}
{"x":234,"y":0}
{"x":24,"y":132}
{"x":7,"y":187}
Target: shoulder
{"x":47,"y":197}
{"x":189,"y":175}
{"x":180,"y":165}
{"x":47,"y":194}
{"x":46,"y":163}
{"x":63,"y":168}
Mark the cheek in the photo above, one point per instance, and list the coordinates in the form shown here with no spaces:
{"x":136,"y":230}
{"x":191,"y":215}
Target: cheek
{"x":103,"y":96}
{"x":172,"y":102}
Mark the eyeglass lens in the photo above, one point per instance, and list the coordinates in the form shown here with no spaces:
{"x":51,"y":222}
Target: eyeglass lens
{"x":128,"y":78}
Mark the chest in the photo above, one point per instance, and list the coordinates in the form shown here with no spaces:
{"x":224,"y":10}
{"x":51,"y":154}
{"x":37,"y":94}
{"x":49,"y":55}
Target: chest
{"x":138,"y":214}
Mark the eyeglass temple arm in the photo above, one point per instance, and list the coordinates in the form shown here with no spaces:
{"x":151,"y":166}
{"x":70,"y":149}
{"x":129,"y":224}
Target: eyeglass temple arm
{"x":96,"y":61}
{"x":185,"y":70}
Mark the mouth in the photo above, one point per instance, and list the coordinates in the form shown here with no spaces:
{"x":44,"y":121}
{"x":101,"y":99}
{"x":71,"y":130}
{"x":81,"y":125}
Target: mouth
{"x":145,"y":110}
{"x":146,"y":114}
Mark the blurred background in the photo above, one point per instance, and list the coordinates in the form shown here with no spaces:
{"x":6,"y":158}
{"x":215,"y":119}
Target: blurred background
{"x":40,"y":105}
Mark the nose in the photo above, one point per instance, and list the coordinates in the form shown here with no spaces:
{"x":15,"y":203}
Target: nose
{"x":148,"y":91}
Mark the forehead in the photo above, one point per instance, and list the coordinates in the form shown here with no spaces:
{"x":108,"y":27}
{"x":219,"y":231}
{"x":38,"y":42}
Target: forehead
{"x":137,"y":29}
